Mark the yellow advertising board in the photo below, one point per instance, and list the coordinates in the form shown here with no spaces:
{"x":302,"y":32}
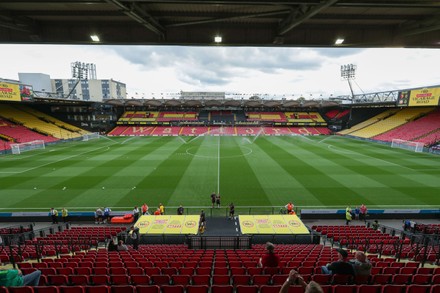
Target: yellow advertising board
{"x":175,"y":225}
{"x":272,"y":224}
{"x":424,"y":97}
{"x":9,"y":92}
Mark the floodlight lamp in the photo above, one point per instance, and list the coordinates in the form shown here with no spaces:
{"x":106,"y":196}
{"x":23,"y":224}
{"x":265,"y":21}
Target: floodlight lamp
{"x":217,"y":39}
{"x":339,"y":41}
{"x":94,"y":38}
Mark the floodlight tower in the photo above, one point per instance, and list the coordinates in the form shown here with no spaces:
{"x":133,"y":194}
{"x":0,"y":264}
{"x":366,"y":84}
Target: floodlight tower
{"x":81,"y":70}
{"x":348,"y":72}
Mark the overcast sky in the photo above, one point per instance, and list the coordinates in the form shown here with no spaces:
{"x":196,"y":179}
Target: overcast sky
{"x":310,"y":72}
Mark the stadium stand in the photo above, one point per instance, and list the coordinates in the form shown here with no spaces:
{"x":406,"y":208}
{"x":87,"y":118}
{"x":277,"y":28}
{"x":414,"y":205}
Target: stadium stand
{"x":20,"y":134}
{"x":368,"y":122}
{"x":425,"y":129}
{"x":390,"y":122}
{"x":39,"y":122}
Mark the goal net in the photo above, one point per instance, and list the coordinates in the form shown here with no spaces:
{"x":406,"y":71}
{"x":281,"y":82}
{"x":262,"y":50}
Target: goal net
{"x":18,"y":148}
{"x":407,"y":145}
{"x":89,"y":136}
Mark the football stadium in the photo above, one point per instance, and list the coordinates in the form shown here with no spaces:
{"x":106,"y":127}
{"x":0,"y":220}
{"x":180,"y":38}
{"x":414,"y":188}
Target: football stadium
{"x":208,"y":192}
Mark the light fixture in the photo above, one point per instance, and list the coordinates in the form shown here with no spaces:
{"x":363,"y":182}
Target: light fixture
{"x":94,"y":38}
{"x":217,"y":39}
{"x":339,"y":41}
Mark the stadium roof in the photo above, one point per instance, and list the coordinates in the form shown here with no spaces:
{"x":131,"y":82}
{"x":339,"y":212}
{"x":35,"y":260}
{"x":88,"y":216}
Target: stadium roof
{"x":263,"y":104}
{"x":359,"y":23}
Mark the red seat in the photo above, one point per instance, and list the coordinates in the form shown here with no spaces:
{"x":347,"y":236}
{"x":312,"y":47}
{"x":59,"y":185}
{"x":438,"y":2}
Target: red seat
{"x":181,"y":279}
{"x":203,"y":271}
{"x":279,"y":279}
{"x":22,"y":289}
{"x":393,"y":288}
{"x":344,"y":289}
{"x":246,"y":289}
{"x":381,"y":279}
{"x":140,"y":279}
{"x":222,"y":289}
{"x":122,"y":289}
{"x":435,"y":288}
{"x":79,"y":280}
{"x":339,"y":279}
{"x":58,"y":280}
{"x":220,"y":280}
{"x":72,"y":289}
{"x":46,"y":289}
{"x":99,"y":280}
{"x":160,"y":279}
{"x":147,"y":289}
{"x":200,"y":279}
{"x":172,"y":289}
{"x":260,"y":280}
{"x":322,"y":279}
{"x":413,"y":288}
{"x":97,"y":289}
{"x":120,"y":279}
{"x":194,"y":289}
{"x":270,"y":289}
{"x":421,"y":279}
{"x":369,"y":288}
{"x":152,"y":271}
{"x":401,"y":279}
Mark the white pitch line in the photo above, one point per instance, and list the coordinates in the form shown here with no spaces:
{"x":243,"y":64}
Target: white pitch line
{"x":218,"y":166}
{"x":60,"y":160}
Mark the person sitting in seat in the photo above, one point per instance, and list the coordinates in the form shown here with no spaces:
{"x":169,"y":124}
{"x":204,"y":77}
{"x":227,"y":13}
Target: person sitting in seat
{"x":340,"y":267}
{"x":270,"y":259}
{"x":361,"y":265}
{"x":9,"y":278}
{"x":296,"y":279}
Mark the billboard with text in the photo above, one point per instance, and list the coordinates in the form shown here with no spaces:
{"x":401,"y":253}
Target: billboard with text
{"x":9,"y":92}
{"x":424,"y":97}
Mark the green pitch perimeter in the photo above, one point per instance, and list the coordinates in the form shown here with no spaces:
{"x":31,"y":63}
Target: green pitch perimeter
{"x":313,"y":172}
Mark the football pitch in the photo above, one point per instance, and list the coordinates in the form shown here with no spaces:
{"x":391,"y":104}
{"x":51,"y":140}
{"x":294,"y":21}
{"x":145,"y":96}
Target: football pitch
{"x":251,"y":172}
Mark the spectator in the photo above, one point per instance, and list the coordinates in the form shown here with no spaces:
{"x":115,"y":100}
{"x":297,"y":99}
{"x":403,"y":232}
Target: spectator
{"x":107,"y":215}
{"x":157,"y":212}
{"x":217,"y":200}
{"x":213,"y":196}
{"x":363,"y":212}
{"x":144,"y":209}
{"x":341,"y":266}
{"x":357,"y":212}
{"x":162,"y":209}
{"x":202,"y":225}
{"x":136,"y":213}
{"x":122,"y":246}
{"x":296,"y":279}
{"x":231,"y":211}
{"x":113,"y":244}
{"x":406,"y":225}
{"x":270,"y":259}
{"x":134,"y":235}
{"x":9,"y":278}
{"x":347,"y":217}
{"x":180,"y":210}
{"x":65,"y":215}
{"x":53,"y":215}
{"x":375,"y":225}
{"x":361,"y":266}
{"x":289,"y":208}
{"x":98,"y":216}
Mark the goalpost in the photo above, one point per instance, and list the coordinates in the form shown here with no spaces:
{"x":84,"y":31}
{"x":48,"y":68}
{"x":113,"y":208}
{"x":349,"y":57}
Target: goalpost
{"x":89,"y":136}
{"x":18,"y":148}
{"x":407,"y":145}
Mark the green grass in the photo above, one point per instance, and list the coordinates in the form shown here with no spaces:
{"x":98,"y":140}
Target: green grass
{"x":270,"y":171}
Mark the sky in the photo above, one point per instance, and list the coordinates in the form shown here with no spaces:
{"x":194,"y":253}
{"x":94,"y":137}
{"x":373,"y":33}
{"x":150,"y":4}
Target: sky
{"x":267,"y":71}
